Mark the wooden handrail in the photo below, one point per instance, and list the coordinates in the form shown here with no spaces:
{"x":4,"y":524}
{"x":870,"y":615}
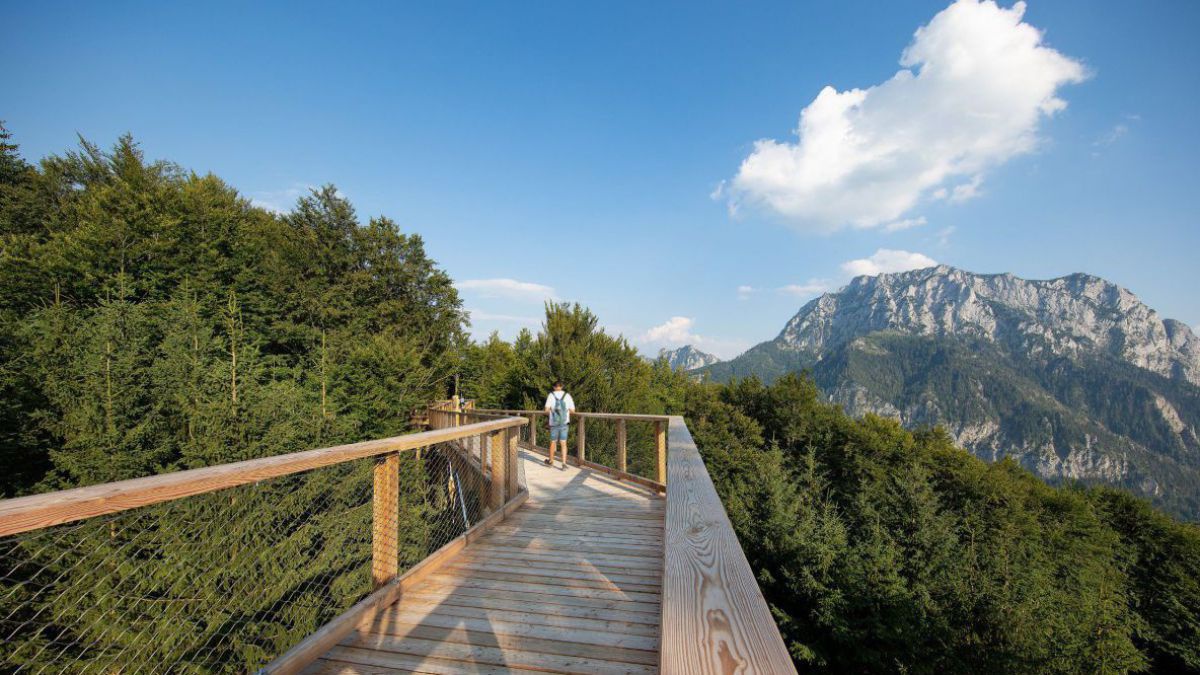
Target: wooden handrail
{"x":714,"y":617}
{"x":594,"y":415}
{"x":23,"y":514}
{"x":660,"y":435}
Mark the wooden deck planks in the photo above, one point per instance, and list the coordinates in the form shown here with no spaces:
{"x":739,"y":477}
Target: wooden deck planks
{"x":570,"y":583}
{"x":715,"y":619}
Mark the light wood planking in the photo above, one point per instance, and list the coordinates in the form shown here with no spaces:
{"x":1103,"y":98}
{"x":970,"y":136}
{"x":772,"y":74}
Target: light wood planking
{"x":714,"y":617}
{"x":621,"y":443}
{"x":581,"y":437}
{"x":385,"y":519}
{"x":660,"y":451}
{"x":570,"y":583}
{"x":591,"y":415}
{"x":331,"y":633}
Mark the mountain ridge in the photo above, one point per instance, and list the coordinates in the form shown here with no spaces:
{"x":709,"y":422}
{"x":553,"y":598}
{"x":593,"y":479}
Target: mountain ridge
{"x":1074,"y":377}
{"x":687,"y":357}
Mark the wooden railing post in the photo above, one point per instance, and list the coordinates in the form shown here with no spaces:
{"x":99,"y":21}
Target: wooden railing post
{"x":485,"y":491}
{"x":385,"y":519}
{"x":621,"y":445}
{"x":660,"y":435}
{"x":511,"y":487}
{"x":533,"y":431}
{"x":581,"y":436}
{"x":499,"y":449}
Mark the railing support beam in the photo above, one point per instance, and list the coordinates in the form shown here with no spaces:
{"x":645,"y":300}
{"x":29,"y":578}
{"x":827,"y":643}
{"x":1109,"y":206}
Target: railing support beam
{"x":581,"y":436}
{"x":660,"y":435}
{"x":511,"y":485}
{"x":621,"y":446}
{"x":499,"y":451}
{"x":385,"y":519}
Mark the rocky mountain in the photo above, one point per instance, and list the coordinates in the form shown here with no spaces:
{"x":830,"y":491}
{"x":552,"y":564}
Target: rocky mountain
{"x":687,"y":357}
{"x":1075,"y":378}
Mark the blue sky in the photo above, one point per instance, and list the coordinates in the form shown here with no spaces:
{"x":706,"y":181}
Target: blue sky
{"x":596,"y":152}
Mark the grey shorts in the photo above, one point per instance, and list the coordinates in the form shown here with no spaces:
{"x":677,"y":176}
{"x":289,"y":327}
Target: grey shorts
{"x":558,"y":432}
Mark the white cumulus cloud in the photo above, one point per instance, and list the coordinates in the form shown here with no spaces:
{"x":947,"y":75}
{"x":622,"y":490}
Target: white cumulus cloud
{"x":906,"y":224}
{"x":678,"y":331}
{"x":806,"y":289}
{"x":975,"y":84}
{"x":506,"y":288}
{"x":886,"y":261}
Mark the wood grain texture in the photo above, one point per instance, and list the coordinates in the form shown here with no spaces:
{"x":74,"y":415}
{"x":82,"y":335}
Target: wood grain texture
{"x":581,"y":437}
{"x":511,"y":450}
{"x":660,"y":451}
{"x":621,"y":449}
{"x":569,"y":583}
{"x":587,"y":415}
{"x":498,"y":446}
{"x":714,"y":617}
{"x":615,"y":473}
{"x":313,"y":646}
{"x":385,"y":519}
{"x":37,"y":511}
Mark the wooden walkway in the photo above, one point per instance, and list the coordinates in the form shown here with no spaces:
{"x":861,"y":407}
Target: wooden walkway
{"x":571,"y":582}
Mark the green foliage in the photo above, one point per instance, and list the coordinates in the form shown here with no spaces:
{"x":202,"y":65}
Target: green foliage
{"x":885,"y":550}
{"x":602,"y":372}
{"x":1092,"y":407}
{"x":153,"y":320}
{"x":487,"y":372}
{"x":881,"y":549}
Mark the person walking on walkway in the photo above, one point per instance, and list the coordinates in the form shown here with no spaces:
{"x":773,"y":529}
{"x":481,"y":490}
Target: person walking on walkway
{"x":559,"y":405}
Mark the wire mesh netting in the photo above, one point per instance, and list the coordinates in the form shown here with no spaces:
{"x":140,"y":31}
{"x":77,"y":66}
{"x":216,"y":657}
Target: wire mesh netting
{"x":641,"y":449}
{"x":226,"y":581}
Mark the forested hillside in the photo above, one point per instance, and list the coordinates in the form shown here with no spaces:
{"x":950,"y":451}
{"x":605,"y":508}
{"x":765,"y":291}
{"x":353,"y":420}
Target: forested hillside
{"x":1075,"y":378}
{"x":882,"y":550}
{"x":152,"y":319}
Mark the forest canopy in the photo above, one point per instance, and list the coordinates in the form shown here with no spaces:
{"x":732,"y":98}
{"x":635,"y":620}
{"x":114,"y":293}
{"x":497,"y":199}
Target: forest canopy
{"x":152,"y":319}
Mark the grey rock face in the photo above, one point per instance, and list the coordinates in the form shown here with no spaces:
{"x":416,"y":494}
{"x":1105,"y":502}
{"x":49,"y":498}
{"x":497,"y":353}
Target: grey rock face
{"x":1071,"y":316}
{"x":1074,"y":378}
{"x":687,"y":357}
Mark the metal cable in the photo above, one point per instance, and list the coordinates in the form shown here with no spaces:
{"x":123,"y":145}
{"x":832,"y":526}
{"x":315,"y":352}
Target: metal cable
{"x":226,"y":581}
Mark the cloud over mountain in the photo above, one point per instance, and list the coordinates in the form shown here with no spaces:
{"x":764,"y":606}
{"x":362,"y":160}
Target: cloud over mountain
{"x":887,"y":261}
{"x":678,"y":331}
{"x":976,"y":83}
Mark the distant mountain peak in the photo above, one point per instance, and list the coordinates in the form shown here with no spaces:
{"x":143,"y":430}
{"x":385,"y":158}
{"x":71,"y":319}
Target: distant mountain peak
{"x":1071,"y":316}
{"x":1074,"y":377}
{"x":687,"y":357}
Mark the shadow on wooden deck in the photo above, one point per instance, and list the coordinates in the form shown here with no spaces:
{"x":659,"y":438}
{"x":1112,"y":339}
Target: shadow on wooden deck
{"x":570,"y":582}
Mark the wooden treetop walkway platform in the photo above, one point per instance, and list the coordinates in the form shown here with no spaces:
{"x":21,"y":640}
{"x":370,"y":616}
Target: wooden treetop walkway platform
{"x":585,"y":569}
{"x":570,"y":582}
